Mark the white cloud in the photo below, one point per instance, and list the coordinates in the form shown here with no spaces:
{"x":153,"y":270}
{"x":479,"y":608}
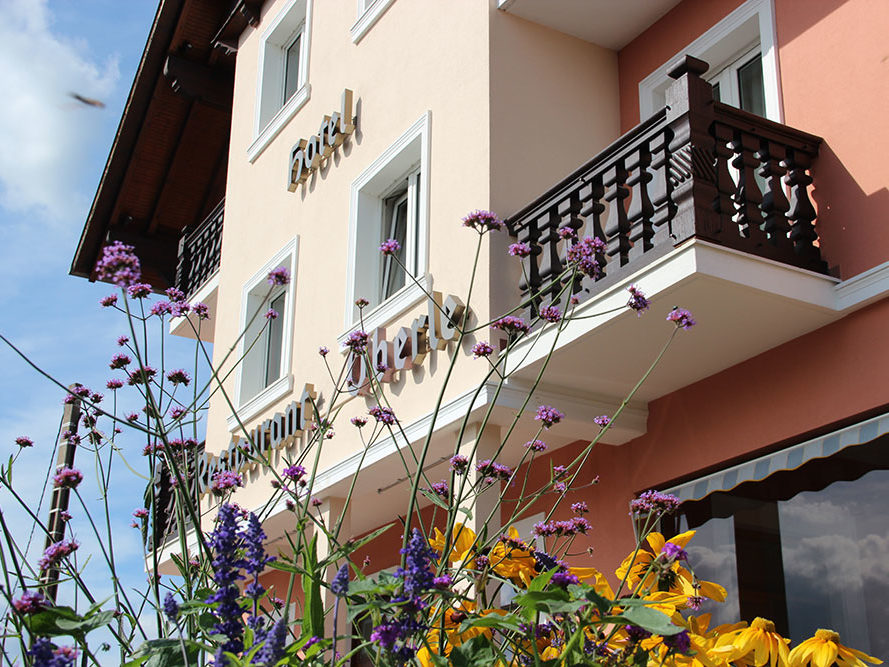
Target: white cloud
{"x":46,"y":133}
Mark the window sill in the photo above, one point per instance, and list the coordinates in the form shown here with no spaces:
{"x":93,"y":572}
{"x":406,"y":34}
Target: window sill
{"x":278,"y":121}
{"x":249,"y":410}
{"x":407,"y":297}
{"x":367,"y":20}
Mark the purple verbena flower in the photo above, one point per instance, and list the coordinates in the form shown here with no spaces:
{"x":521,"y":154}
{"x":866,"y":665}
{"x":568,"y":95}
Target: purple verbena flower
{"x":119,"y":360}
{"x":567,"y":233}
{"x":493,"y":471}
{"x":141,"y":375}
{"x":54,"y":553}
{"x":519,"y":249}
{"x":637,"y":301}
{"x":279,"y":276}
{"x":108,"y":301}
{"x":139,"y":290}
{"x":179,"y":376}
{"x":602,"y":420}
{"x":179,"y":308}
{"x":226,"y":479}
{"x":174,"y":294}
{"x":586,"y":256}
{"x":383,"y":415}
{"x":580,"y":507}
{"x":672,"y":552}
{"x":119,"y":265}
{"x":441,"y":489}
{"x":201,"y":310}
{"x":358,"y":421}
{"x":536,"y":445}
{"x":482,"y":349}
{"x":681,"y":318}
{"x":30,"y":603}
{"x":323,"y":351}
{"x":361,"y":302}
{"x":654,"y":502}
{"x":160,"y":308}
{"x":271,"y":314}
{"x":459,"y":464}
{"x":177,"y":412}
{"x":483,"y":221}
{"x":511,"y":325}
{"x":293,"y":473}
{"x":390,"y":247}
{"x":67,"y":478}
{"x":24,"y":441}
{"x":357,"y":342}
{"x":548,"y":415}
{"x":550,"y":313}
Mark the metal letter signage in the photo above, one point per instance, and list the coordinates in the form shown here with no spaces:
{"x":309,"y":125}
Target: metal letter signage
{"x":307,"y":154}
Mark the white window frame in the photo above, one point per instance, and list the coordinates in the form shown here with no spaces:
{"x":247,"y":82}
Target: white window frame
{"x":406,"y":159}
{"x":254,"y":295}
{"x":727,"y":77}
{"x":369,"y":12}
{"x":750,"y":26}
{"x":272,"y":111}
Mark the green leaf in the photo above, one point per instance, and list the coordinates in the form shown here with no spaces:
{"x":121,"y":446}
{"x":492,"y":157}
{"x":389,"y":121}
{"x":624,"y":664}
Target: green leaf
{"x":477,"y":652}
{"x":502,"y":622}
{"x":435,"y":499}
{"x":313,"y":621}
{"x":165,"y":653}
{"x":654,"y":621}
{"x":466,"y":511}
{"x":541,"y":580}
{"x":350,"y":546}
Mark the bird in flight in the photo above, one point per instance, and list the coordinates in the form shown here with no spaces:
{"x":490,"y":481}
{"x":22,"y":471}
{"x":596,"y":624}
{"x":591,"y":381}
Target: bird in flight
{"x":89,"y":101}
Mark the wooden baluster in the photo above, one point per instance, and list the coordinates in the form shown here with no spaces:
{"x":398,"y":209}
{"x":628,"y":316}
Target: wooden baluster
{"x":182,"y":264}
{"x":802,"y":212}
{"x":725,"y":185}
{"x":747,"y":197}
{"x":550,"y":263}
{"x":530,"y":279}
{"x":663,"y":207}
{"x":774,"y":201}
{"x":640,"y":209}
{"x":617,"y":229}
{"x":569,"y":217}
{"x":592,"y":209}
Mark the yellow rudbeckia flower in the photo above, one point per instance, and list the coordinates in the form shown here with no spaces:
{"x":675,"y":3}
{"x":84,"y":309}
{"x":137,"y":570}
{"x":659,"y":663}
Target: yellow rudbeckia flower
{"x":755,"y":645}
{"x":463,"y":537}
{"x":824,"y":650}
{"x":512,"y":560}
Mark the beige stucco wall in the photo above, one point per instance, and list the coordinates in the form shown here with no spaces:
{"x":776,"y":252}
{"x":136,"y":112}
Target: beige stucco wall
{"x":508,"y":118}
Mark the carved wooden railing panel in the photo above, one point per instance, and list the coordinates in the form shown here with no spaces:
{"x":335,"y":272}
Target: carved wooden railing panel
{"x":199,"y":252}
{"x":696,"y":169}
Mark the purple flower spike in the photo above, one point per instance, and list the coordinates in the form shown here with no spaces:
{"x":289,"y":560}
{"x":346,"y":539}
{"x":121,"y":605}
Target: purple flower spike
{"x":638,"y":301}
{"x":340,"y":584}
{"x":519,"y":249}
{"x":548,"y":415}
{"x":681,"y":318}
{"x":483,"y":221}
{"x":119,"y":265}
{"x":390,"y":247}
{"x":279,"y":276}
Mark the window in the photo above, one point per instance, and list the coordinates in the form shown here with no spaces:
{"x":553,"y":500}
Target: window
{"x":369,"y":12}
{"x":264,"y":374}
{"x":806,"y":547}
{"x":742,"y":53}
{"x":282,"y":80}
{"x":389,"y":201}
{"x":740,"y":83}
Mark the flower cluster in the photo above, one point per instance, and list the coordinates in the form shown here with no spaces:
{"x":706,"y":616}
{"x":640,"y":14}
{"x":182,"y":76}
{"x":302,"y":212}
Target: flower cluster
{"x":119,"y":265}
{"x":681,"y":318}
{"x":459,"y":464}
{"x":483,"y":221}
{"x":390,"y":247}
{"x":441,"y":489}
{"x":179,"y":376}
{"x":357,"y":342}
{"x":576,"y":525}
{"x":511,"y":325}
{"x":24,"y":441}
{"x":45,"y":654}
{"x":548,"y":415}
{"x":225,"y":480}
{"x":279,"y":276}
{"x":493,"y":471}
{"x":586,"y":256}
{"x":550,"y":313}
{"x":654,"y":502}
{"x":482,"y":349}
{"x":30,"y":603}
{"x":519,"y":249}
{"x":383,"y":415}
{"x":55,"y":552}
{"x":602,"y":420}
{"x":536,"y":445}
{"x":67,"y":478}
{"x":637,"y":301}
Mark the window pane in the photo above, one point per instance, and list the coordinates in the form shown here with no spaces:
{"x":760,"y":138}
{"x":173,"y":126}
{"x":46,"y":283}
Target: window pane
{"x":750,"y":87}
{"x":716,"y":95}
{"x":393,"y":274}
{"x":275,"y":342}
{"x":291,"y":69}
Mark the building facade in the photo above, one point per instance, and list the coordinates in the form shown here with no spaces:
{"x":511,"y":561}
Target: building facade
{"x":745,"y":183}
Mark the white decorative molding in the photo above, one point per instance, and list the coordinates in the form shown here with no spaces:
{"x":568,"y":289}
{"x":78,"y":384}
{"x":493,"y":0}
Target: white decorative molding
{"x":278,"y":121}
{"x":730,"y":36}
{"x":268,"y":396}
{"x":207,"y":293}
{"x":863,"y":289}
{"x":368,"y":18}
{"x":397,"y":304}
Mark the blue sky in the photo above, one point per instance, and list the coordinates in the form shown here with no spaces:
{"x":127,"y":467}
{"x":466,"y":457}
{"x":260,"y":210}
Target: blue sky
{"x":54,"y":150}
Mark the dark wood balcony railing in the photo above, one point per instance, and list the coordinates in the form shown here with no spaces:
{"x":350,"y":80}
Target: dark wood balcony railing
{"x":697,"y":168}
{"x":199,"y":251}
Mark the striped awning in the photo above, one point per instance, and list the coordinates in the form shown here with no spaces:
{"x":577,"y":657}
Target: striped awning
{"x":787,"y":459}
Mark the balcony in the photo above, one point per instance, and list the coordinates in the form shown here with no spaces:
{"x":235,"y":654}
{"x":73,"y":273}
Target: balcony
{"x":704,"y":206}
{"x":200,"y":248}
